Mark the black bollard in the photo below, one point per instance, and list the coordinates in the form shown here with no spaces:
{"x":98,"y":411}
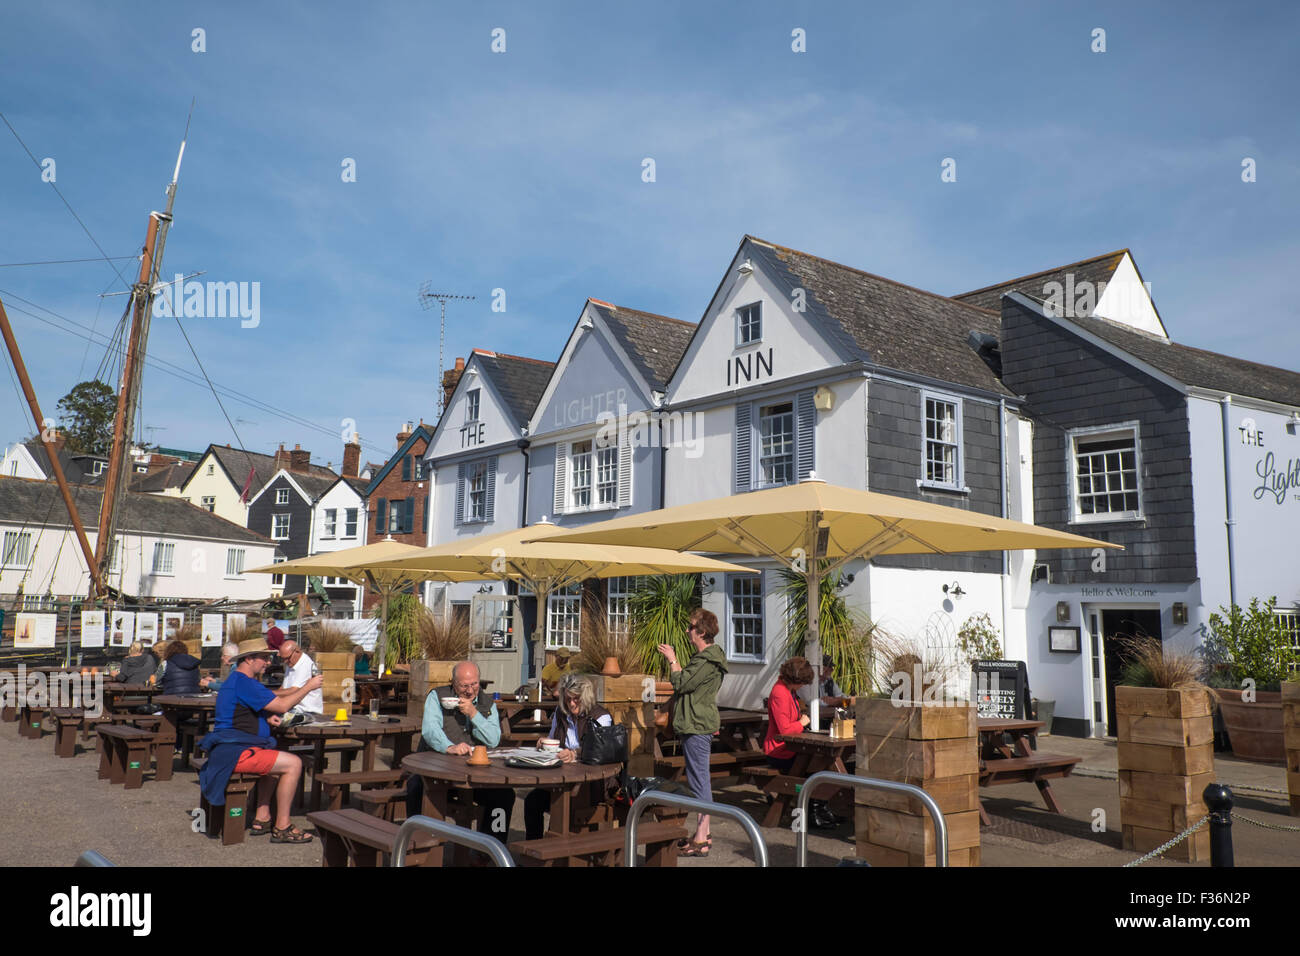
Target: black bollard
{"x":1218,"y":800}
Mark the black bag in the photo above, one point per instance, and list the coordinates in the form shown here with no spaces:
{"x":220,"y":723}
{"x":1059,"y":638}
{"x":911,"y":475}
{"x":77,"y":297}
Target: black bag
{"x":603,"y":744}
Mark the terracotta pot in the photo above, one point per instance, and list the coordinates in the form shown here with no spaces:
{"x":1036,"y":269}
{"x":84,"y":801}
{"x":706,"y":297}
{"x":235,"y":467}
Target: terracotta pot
{"x":1255,"y":729}
{"x":611,"y":668}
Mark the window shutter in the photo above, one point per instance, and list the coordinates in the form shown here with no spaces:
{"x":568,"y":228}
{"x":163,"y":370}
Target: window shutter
{"x":561,"y":472}
{"x":424,"y":525}
{"x":744,"y":442}
{"x":381,"y":516}
{"x":625,"y":474}
{"x":406,"y":467}
{"x":490,"y":485}
{"x":805,"y":435}
{"x":460,"y":494}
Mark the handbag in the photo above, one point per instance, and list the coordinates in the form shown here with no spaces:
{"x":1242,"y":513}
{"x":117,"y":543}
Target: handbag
{"x":603,"y":744}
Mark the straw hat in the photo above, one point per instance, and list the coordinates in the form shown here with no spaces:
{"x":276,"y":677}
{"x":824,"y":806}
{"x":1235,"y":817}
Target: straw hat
{"x":255,"y":645}
{"x":564,"y":653}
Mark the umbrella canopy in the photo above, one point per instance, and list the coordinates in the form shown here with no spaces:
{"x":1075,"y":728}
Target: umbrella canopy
{"x":804,"y":523}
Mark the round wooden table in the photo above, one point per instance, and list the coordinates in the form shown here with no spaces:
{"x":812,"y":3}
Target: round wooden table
{"x":368,"y":731}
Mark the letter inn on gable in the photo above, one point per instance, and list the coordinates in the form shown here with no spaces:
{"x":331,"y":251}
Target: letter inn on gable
{"x":1056,"y":398}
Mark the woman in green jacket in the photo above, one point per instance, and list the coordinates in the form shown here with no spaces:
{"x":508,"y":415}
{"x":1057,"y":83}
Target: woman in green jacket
{"x":695,"y":712}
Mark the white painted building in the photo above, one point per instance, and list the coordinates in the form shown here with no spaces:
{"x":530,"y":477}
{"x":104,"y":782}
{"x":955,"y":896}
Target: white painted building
{"x":339,"y":522}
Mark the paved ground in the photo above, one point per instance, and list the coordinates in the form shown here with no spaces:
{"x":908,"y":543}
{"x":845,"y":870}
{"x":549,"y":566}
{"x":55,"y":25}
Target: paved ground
{"x":55,"y":809}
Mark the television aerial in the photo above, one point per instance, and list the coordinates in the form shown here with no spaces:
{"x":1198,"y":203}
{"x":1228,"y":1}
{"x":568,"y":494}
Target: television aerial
{"x":427,"y":299}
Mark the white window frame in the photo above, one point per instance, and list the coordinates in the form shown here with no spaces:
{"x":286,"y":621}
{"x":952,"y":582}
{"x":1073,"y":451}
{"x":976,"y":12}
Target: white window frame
{"x":613,"y":458}
{"x":473,"y":405}
{"x":281,"y":496}
{"x":757,"y":451}
{"x":17,"y":549}
{"x":743,"y":322}
{"x":329,"y":526}
{"x":475,"y":509}
{"x":618,"y":609}
{"x":564,"y":617}
{"x":1288,"y":618}
{"x":277,"y":536}
{"x":211,"y":468}
{"x":277,"y":580}
{"x":235,"y":563}
{"x":98,"y":467}
{"x":605,"y":477}
{"x":758,"y":580}
{"x":164,"y":559}
{"x":1100,"y":433}
{"x":350,"y":522}
{"x":957,"y":441}
{"x":209,"y":503}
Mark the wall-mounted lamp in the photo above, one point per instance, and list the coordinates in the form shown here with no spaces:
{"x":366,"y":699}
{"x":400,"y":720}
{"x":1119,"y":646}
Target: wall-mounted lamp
{"x":823,"y":399}
{"x":746,"y":268}
{"x":586,"y":323}
{"x":845,"y":581}
{"x":1180,"y":613}
{"x":485,"y":589}
{"x":953,"y":590}
{"x":1062,"y":612}
{"x":1293,"y":424}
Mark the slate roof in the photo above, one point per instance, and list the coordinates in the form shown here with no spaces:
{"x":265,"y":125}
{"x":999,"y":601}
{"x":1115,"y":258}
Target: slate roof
{"x":237,"y":462}
{"x":655,"y":343}
{"x":37,"y":503}
{"x":359,"y":485}
{"x":314,"y":485}
{"x":519,"y":380}
{"x":1096,"y":270}
{"x":171,"y":476}
{"x":76,"y":468}
{"x":886,"y":323}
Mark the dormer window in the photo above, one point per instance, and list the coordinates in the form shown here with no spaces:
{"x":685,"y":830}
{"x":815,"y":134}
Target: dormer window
{"x":749,"y":324}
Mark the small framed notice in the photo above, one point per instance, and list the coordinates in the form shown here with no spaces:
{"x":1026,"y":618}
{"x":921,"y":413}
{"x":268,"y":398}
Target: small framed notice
{"x":173,"y":621}
{"x":92,"y":628}
{"x":121,"y":630}
{"x":1063,"y":640}
{"x":211,"y":629}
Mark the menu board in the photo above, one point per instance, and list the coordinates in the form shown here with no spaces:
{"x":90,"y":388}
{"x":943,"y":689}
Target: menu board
{"x":92,"y":628}
{"x":1001,"y":689}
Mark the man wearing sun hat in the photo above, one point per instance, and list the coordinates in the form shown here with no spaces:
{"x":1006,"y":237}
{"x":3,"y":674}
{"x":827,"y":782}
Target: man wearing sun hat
{"x":241,"y":741}
{"x":553,"y":671}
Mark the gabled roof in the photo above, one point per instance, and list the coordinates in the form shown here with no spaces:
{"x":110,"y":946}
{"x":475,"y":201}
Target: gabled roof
{"x":170,"y":476}
{"x":520,"y":381}
{"x":655,"y":343}
{"x":1097,"y":270}
{"x":236,"y":462}
{"x":380,"y":472}
{"x":26,"y":500}
{"x":308,"y":487}
{"x":76,"y":468}
{"x":886,"y":323}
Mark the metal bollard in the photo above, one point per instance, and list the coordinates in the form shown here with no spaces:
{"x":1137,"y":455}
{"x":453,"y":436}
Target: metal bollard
{"x":1218,"y":800}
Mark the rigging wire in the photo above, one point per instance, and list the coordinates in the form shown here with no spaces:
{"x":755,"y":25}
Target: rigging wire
{"x":62,"y":262}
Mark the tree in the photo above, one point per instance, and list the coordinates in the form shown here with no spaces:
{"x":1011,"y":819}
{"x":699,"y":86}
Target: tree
{"x":86,"y":416}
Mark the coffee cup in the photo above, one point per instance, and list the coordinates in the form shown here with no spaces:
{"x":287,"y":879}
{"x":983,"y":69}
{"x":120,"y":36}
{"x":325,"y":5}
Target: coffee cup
{"x":341,"y":714}
{"x":450,"y":703}
{"x":549,"y":745}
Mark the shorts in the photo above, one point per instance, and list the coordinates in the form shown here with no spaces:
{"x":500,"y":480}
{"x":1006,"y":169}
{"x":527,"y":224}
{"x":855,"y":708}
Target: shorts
{"x":256,"y":760}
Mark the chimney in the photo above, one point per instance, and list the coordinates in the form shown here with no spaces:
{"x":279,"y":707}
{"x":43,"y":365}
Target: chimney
{"x":299,"y":460}
{"x":281,"y":458}
{"x":404,"y":433}
{"x":450,"y":379}
{"x":352,"y":457}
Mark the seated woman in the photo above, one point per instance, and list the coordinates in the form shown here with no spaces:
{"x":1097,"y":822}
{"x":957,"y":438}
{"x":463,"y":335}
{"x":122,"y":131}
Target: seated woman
{"x":180,"y":673}
{"x":137,"y":666}
{"x":785,"y":716}
{"x":577,"y":712}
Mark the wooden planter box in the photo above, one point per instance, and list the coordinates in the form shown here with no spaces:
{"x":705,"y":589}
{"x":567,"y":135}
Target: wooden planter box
{"x":621,"y":696}
{"x":1165,"y":749}
{"x":335,"y":667}
{"x":1291,"y":739}
{"x":934,"y":748}
{"x":1255,"y":728}
{"x":425,"y":676}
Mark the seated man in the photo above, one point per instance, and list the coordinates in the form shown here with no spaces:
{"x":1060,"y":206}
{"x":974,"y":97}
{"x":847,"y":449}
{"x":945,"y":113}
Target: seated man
{"x":553,"y":671}
{"x":298,"y":669}
{"x":228,"y":652}
{"x":473,"y":721}
{"x":240,"y":742}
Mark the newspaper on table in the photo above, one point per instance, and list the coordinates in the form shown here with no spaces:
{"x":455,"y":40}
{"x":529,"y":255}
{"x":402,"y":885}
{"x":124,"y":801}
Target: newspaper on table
{"x":526,"y":757}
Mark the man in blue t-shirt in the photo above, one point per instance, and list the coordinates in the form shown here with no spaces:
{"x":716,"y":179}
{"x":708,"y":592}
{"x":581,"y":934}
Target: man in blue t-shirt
{"x":246,"y":709}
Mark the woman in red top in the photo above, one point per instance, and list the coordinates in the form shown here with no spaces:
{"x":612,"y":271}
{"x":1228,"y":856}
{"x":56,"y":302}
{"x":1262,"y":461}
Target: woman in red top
{"x":784,"y":715}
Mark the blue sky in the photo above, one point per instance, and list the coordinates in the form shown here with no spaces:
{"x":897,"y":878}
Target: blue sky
{"x":522,"y":171}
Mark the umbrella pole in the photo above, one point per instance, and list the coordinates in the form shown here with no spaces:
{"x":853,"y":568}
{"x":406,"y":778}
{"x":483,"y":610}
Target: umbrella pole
{"x":383,"y":633}
{"x":813,"y":641}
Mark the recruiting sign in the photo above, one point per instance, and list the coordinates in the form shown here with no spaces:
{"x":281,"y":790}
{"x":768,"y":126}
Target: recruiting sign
{"x":1001,"y":689}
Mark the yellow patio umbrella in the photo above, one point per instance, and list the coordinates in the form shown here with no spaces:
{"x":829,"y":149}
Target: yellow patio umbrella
{"x":804,"y":523}
{"x":528,"y":556}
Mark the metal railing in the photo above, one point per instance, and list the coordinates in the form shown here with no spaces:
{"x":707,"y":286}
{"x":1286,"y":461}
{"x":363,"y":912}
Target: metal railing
{"x":845,"y":780}
{"x":659,"y":798}
{"x":451,"y":834}
{"x":91,"y":858}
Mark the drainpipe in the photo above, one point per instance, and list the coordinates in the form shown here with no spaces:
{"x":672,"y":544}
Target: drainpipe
{"x":1226,"y":404}
{"x":1002,"y":483}
{"x":522,"y":445}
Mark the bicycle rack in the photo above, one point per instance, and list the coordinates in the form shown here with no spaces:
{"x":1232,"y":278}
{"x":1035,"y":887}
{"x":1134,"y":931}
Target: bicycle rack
{"x":91,"y":858}
{"x":825,"y":776}
{"x":452,"y":834}
{"x":659,"y":798}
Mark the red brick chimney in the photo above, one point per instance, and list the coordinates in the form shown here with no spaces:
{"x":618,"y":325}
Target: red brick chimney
{"x":404,"y":433}
{"x":352,"y":457}
{"x":281,"y":458}
{"x":299,"y":460}
{"x":450,"y":379}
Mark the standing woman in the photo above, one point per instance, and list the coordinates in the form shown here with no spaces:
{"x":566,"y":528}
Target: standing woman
{"x":695,"y":712}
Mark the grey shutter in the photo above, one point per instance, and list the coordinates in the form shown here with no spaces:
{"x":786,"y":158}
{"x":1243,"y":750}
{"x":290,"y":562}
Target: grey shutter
{"x":744,"y":443}
{"x":408,"y":516}
{"x":490,"y":484}
{"x":424,"y":525}
{"x":381,"y":516}
{"x":561,"y":474}
{"x":460,"y":494}
{"x":805,"y":434}
{"x":406,"y":467}
{"x":625,"y":474}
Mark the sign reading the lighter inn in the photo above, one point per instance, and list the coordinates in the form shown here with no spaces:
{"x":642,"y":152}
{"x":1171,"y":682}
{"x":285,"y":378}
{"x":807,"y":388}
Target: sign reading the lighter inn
{"x":1277,"y":479}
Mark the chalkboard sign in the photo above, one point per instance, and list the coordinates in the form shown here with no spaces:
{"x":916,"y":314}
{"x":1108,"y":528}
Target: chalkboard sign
{"x":1001,"y":689}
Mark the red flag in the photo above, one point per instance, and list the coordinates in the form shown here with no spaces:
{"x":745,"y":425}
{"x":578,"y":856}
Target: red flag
{"x":243,"y":495}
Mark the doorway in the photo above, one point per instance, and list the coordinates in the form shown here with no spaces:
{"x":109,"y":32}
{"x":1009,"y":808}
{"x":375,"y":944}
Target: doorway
{"x":1119,"y":626}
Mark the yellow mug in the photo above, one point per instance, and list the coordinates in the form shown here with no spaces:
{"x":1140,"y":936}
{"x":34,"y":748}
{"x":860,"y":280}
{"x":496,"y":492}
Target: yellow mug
{"x":341,"y":714}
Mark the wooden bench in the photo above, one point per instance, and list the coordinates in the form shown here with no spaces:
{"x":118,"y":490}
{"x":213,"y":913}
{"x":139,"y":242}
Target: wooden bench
{"x":231,"y":821}
{"x":68,"y":721}
{"x":335,"y":786}
{"x":124,"y":754}
{"x":602,"y":847}
{"x":351,"y":836}
{"x":383,"y":802}
{"x":1037,"y":770}
{"x":31,"y":720}
{"x":722,"y":764}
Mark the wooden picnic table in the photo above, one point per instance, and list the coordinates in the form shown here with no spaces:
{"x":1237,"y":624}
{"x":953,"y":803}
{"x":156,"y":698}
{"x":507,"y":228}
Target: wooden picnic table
{"x":517,"y":724}
{"x":175,"y":708}
{"x":1016,"y":761}
{"x":569,"y":785}
{"x":116,"y":695}
{"x":814,"y":752}
{"x":369,"y":732}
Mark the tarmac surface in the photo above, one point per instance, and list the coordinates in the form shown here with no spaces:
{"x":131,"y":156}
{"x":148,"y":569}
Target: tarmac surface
{"x":54,"y":809}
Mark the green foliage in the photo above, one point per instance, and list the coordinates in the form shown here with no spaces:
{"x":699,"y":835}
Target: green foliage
{"x":403,"y":638}
{"x":86,"y":415}
{"x":1248,"y":643}
{"x":661,"y":611}
{"x":1146,"y":663}
{"x":845,"y":634}
{"x":978,"y":639}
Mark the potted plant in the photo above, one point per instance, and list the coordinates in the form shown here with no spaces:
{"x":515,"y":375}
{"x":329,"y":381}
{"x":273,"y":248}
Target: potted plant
{"x":441,"y":644}
{"x":331,"y":648}
{"x":660,"y":609}
{"x":1249,"y":654}
{"x":1165,"y":744}
{"x":845,"y":633}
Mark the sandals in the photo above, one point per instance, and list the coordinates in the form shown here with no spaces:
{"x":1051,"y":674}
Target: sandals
{"x":261,"y":827}
{"x":697,"y":849}
{"x":290,"y":834}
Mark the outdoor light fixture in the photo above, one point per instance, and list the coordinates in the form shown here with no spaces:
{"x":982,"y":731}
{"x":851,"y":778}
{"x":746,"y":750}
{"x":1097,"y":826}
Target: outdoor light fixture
{"x":1293,"y":424}
{"x":1062,"y":612}
{"x":823,"y":399}
{"x":746,"y":268}
{"x":586,"y":323}
{"x":953,"y":590}
{"x":1180,"y":613}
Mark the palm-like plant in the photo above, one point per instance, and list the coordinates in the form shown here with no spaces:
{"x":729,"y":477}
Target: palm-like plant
{"x":846,"y":635}
{"x":402,"y":630}
{"x":661,"y":611}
